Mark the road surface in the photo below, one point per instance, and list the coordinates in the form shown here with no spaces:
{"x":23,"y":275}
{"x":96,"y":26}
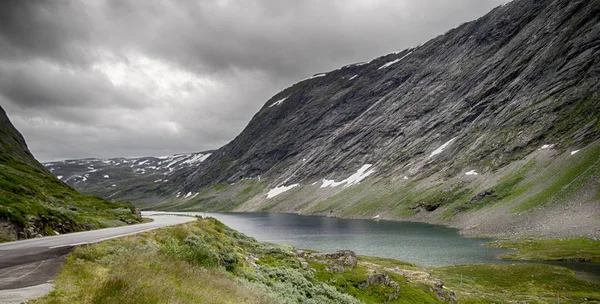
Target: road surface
{"x":26,"y":266}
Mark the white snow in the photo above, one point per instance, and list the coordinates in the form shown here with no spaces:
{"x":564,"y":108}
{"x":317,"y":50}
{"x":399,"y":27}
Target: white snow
{"x":172,"y":163}
{"x":394,"y":61}
{"x":574,"y":152}
{"x":158,"y":180}
{"x":113,"y":185}
{"x":141,"y":163}
{"x":442,"y":147}
{"x":314,"y":76}
{"x":106,"y":176}
{"x":188,"y":195}
{"x":352,"y":77}
{"x":546,"y":147}
{"x":59,"y":177}
{"x":355,"y":64}
{"x":196,"y":159}
{"x":178,"y":194}
{"x":376,"y":217}
{"x":405,"y":177}
{"x":280,"y":101}
{"x":278,"y":190}
{"x":472,"y":172}
{"x":353,"y":179}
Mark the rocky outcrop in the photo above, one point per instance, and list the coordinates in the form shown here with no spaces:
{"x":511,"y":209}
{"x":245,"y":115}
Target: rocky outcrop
{"x":339,"y":258}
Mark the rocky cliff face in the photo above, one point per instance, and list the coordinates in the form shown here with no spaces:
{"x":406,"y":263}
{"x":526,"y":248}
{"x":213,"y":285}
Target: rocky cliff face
{"x":497,"y":88}
{"x":492,"y":113}
{"x":35,"y":203}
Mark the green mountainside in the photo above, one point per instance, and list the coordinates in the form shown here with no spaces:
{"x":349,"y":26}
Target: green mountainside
{"x":33,"y":202}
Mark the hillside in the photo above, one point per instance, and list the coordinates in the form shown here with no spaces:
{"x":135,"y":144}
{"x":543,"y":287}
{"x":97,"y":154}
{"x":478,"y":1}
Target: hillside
{"x":118,"y":177}
{"x":34,"y":203}
{"x":208,"y":262}
{"x":492,"y":127}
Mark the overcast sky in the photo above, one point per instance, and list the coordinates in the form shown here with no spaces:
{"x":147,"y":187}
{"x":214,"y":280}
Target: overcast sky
{"x":136,"y":78}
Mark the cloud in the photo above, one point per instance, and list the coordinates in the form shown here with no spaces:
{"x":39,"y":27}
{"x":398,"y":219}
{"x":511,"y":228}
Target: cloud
{"x":131,"y":78}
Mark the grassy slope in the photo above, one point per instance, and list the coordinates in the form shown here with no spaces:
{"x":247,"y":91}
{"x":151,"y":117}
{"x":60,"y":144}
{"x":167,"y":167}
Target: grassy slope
{"x":207,"y":262}
{"x":30,"y":196}
{"x":519,"y":283}
{"x":576,"y":249}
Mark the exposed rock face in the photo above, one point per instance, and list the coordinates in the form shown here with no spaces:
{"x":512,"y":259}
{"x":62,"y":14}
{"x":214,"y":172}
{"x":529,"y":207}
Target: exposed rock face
{"x":342,"y":257}
{"x":499,"y":86}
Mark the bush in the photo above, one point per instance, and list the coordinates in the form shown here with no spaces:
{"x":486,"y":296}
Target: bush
{"x":192,"y":250}
{"x":229,"y":260}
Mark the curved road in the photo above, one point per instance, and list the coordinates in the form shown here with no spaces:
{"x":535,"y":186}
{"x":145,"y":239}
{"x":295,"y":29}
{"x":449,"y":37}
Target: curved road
{"x":26,"y":266}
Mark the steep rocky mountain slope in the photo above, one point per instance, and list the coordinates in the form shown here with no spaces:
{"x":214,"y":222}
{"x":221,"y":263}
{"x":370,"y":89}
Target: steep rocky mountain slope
{"x":492,"y":127}
{"x":33,"y":202}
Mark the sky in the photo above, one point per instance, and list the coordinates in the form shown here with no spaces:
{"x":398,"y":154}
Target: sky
{"x":125,"y":78}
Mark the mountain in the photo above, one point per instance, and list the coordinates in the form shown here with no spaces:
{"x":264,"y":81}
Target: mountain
{"x":33,"y":202}
{"x":492,"y":127}
{"x":115,"y":176}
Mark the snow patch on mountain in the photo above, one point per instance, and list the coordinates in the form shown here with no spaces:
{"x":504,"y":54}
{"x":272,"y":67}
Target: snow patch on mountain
{"x":280,"y":101}
{"x":441,"y":148}
{"x":394,"y":61}
{"x":353,"y":179}
{"x":281,"y":189}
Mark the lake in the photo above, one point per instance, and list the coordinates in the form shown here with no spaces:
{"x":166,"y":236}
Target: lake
{"x":419,"y":243}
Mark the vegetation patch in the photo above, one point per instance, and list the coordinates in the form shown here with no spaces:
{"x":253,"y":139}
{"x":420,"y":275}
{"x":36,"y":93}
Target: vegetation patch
{"x":37,"y":203}
{"x":207,"y":262}
{"x":517,"y":283}
{"x":566,"y":179}
{"x":574,"y":249}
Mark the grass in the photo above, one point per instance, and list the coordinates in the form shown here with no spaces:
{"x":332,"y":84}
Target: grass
{"x":566,"y":180}
{"x":520,"y":283}
{"x":508,"y":188}
{"x":573,"y":249}
{"x":207,"y":262}
{"x":32,"y":197}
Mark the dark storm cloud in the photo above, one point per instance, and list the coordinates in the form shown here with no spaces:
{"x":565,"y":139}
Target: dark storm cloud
{"x":126,"y":78}
{"x":41,"y":85}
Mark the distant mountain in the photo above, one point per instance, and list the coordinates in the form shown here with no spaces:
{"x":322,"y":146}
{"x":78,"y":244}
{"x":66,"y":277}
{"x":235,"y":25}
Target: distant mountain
{"x":493,"y":127}
{"x":110,"y":177}
{"x":34,"y":203}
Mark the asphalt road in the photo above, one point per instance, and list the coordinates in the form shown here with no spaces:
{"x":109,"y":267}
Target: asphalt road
{"x":27,"y":266}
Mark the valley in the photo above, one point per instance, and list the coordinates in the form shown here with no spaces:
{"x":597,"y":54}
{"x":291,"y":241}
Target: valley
{"x":492,"y":128}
